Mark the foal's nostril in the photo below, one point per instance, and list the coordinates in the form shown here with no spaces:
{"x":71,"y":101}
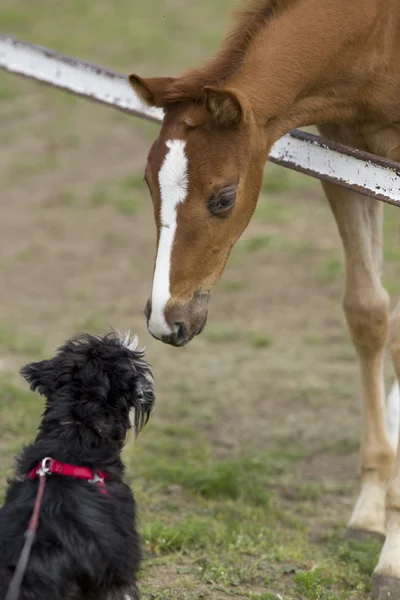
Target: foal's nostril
{"x":181,"y":333}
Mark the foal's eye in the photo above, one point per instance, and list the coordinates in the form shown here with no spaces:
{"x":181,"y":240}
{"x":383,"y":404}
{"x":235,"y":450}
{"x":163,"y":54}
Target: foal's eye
{"x":223,"y":201}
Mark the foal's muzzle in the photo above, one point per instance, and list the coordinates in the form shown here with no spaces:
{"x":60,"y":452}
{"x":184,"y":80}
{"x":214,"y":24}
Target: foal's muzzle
{"x":184,"y":320}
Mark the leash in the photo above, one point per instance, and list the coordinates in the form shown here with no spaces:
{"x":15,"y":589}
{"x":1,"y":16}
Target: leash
{"x":15,"y":586}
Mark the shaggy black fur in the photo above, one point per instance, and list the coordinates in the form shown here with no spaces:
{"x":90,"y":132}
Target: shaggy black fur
{"x":87,"y":546}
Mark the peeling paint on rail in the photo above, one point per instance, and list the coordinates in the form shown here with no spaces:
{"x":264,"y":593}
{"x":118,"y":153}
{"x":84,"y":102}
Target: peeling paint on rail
{"x":76,"y":76}
{"x":315,"y":156}
{"x":329,"y":161}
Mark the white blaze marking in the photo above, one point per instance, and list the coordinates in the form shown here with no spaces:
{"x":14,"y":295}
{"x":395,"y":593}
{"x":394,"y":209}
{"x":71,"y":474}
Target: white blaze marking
{"x":173,"y":180}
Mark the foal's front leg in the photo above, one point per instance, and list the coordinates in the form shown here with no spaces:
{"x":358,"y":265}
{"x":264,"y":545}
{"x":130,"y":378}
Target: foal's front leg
{"x":365,"y":304}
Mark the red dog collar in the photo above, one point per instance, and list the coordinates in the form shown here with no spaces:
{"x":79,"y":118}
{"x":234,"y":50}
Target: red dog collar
{"x":50,"y":466}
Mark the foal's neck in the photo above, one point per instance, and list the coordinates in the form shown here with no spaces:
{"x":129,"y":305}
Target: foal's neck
{"x":314,"y":63}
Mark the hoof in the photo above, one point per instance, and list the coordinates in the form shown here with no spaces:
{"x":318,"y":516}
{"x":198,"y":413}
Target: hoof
{"x":385,"y":587}
{"x":362,"y":535}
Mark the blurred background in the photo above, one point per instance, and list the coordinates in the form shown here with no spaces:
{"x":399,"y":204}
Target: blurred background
{"x":247,"y":472}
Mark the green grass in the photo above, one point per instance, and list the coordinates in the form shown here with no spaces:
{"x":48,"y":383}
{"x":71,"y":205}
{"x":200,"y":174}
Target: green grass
{"x":68,"y":197}
{"x":231,"y":286}
{"x":217,"y":522}
{"x":250,"y":245}
{"x":20,"y":412}
{"x":314,"y":339}
{"x":118,"y":195}
{"x":134,"y":182}
{"x":392,"y":285}
{"x":345,"y":446}
{"x":259,"y":340}
{"x":221,"y":333}
{"x":13,"y":340}
{"x":33,"y":166}
{"x":360,"y":556}
{"x":222,"y":520}
{"x":224,"y":334}
{"x":225,"y":520}
{"x":277,"y":179}
{"x":93,"y":322}
{"x":330,"y":269}
{"x":314,"y":585}
{"x":308,"y":491}
{"x":268,"y":211}
{"x":191,"y":533}
{"x":226,"y":479}
{"x":7,"y":90}
{"x":15,"y":20}
{"x":137,"y":26}
{"x":255,"y":243}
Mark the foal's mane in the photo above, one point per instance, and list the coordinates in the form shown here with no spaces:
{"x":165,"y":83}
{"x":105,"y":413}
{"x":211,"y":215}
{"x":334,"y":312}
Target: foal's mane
{"x":230,"y":57}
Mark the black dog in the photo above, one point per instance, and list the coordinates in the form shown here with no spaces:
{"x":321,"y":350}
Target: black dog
{"x":86,"y":546}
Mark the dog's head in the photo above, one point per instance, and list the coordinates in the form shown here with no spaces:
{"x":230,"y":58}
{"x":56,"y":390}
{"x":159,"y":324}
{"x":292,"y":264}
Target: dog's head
{"x":99,"y":381}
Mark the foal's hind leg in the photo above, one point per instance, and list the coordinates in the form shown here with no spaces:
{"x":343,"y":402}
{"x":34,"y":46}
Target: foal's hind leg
{"x":386,"y":579}
{"x":365,"y":304}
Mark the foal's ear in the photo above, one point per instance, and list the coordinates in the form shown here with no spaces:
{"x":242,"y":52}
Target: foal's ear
{"x":225,"y":106}
{"x":152,"y":91}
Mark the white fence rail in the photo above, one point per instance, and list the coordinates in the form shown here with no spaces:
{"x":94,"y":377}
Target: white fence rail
{"x":366,"y":173}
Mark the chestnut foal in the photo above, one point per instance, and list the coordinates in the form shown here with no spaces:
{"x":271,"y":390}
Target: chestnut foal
{"x":285,"y":64}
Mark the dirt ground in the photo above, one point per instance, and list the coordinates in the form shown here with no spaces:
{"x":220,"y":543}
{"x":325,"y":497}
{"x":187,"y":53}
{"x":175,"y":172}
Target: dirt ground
{"x":274,"y":374}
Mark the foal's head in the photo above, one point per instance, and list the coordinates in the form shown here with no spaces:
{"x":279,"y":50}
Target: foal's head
{"x":204,"y":174}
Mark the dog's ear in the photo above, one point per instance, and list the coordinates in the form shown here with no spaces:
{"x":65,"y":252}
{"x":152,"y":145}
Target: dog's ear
{"x":40,"y":376}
